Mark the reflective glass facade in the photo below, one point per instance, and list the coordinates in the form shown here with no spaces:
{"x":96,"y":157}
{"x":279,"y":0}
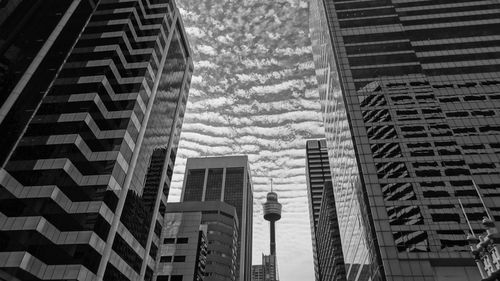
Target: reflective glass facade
{"x":83,"y":193}
{"x":409,"y":90}
{"x":226,"y":179}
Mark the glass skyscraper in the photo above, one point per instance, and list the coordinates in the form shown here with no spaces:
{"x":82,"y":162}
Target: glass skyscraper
{"x":327,"y":249}
{"x":226,"y":179}
{"x":410,"y":93}
{"x":317,"y":172}
{"x":97,"y":92}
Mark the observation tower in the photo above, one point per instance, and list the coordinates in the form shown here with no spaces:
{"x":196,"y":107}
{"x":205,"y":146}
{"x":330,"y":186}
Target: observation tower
{"x":272,"y":213}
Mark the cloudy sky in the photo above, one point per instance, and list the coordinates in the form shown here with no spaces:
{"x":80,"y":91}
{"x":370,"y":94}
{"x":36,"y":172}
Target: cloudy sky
{"x":254,"y":92}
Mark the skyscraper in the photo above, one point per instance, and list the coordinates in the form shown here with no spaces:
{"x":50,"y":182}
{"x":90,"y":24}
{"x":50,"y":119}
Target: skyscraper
{"x":83,"y":189}
{"x":317,"y":172}
{"x":182,"y":254}
{"x":35,"y":39}
{"x":410,"y":102}
{"x":329,"y":248}
{"x":225,"y":179}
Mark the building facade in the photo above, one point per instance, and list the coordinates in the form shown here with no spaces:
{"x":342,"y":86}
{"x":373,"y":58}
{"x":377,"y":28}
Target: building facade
{"x":225,"y":179}
{"x":329,"y":247}
{"x":257,"y":272}
{"x":267,"y":271}
{"x":270,"y":267}
{"x":199,"y":242}
{"x":35,"y":39}
{"x":410,"y":106}
{"x":84,"y":187}
{"x":317,"y":172}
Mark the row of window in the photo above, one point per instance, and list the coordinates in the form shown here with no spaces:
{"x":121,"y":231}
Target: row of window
{"x":166,"y":278}
{"x":173,"y":259}
{"x":180,"y":240}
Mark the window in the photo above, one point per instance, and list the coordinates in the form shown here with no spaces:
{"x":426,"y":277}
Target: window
{"x":183,"y":240}
{"x":176,"y":278}
{"x":166,"y":259}
{"x":162,"y":278}
{"x":169,"y":241}
{"x":179,"y":258}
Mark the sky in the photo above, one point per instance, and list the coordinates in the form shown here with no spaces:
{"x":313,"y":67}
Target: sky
{"x":254,"y":92}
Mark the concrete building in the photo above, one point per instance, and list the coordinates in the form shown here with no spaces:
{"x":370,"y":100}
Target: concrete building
{"x":410,"y":104}
{"x":199,"y":242}
{"x":93,"y":98}
{"x":226,"y":179}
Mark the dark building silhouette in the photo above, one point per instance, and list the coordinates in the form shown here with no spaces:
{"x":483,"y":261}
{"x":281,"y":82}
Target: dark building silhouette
{"x":409,"y":94}
{"x":226,"y":179}
{"x":96,"y":91}
{"x":328,"y":245}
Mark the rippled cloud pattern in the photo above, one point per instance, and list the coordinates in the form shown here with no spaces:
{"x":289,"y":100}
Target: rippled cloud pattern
{"x":254,"y":92}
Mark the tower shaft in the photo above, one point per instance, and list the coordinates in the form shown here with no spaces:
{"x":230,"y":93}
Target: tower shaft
{"x":273,"y":238}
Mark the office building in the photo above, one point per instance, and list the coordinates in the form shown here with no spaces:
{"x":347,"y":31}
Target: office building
{"x":184,"y":253}
{"x":35,"y":38}
{"x":270,"y":267}
{"x":225,"y":179}
{"x":317,"y":172}
{"x":84,"y":189}
{"x":410,"y":94}
{"x":329,"y":248}
{"x":257,"y":272}
{"x":267,"y":271}
{"x":199,"y":242}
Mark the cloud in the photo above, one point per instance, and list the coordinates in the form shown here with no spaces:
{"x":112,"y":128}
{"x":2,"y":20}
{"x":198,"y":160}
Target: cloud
{"x":206,"y":50}
{"x":254,"y":91}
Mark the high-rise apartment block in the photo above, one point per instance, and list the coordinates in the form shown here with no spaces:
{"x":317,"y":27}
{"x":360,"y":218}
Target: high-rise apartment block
{"x":96,"y":91}
{"x":225,"y":179}
{"x":410,"y":100}
{"x":199,"y":242}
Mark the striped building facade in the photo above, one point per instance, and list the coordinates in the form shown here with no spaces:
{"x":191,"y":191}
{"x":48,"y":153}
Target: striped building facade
{"x":84,"y":190}
{"x":410,"y":93}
